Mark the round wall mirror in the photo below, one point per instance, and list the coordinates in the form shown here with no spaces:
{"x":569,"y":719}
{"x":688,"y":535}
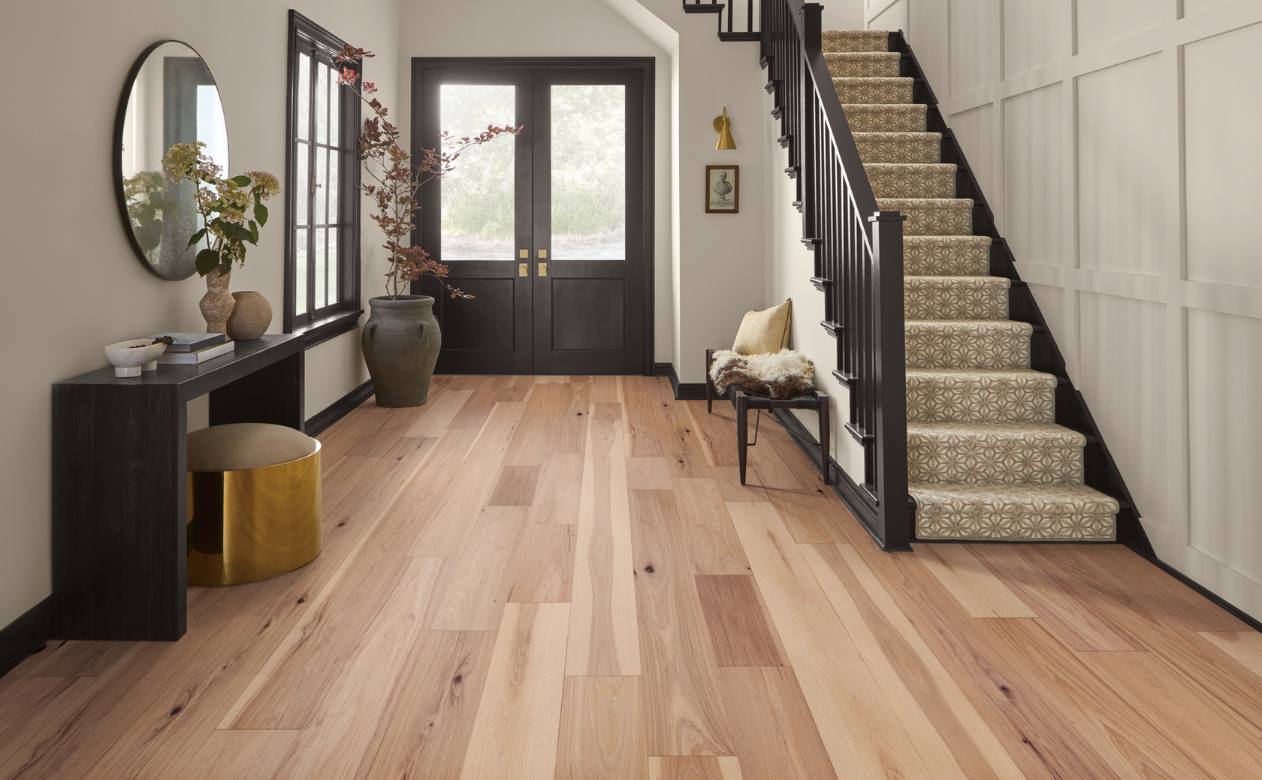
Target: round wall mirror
{"x":170,"y":98}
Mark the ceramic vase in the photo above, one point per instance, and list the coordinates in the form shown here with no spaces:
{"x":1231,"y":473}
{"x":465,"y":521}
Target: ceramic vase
{"x":401,"y":341}
{"x":217,"y":303}
{"x":251,"y":314}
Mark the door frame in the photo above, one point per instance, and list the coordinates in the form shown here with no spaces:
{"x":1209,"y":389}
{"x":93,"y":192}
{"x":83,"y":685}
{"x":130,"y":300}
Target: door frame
{"x":647,"y":68}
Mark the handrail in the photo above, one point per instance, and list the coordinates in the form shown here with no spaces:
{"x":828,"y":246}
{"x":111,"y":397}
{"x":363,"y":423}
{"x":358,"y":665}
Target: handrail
{"x":806,"y":19}
{"x":858,"y":253}
{"x":730,"y":29}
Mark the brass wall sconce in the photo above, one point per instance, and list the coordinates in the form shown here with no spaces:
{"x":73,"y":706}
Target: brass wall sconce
{"x":723,"y":126}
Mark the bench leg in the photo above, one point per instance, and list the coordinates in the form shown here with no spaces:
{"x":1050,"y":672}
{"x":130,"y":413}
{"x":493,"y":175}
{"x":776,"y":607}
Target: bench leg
{"x":825,"y":430}
{"x":709,"y":384}
{"x":742,"y":431}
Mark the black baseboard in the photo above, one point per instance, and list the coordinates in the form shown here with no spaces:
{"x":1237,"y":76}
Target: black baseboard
{"x":338,"y":409}
{"x":684,"y":391}
{"x":1226,"y":606}
{"x":26,"y":635}
{"x":846,"y":488}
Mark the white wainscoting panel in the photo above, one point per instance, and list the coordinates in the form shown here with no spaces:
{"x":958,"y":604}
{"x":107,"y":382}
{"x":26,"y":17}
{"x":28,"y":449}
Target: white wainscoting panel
{"x":1122,"y":354}
{"x":1101,"y":22}
{"x":1035,"y":33}
{"x":1191,"y":7}
{"x":1222,"y":124}
{"x":1225,"y":374}
{"x":1122,"y":169}
{"x":1033,"y":154}
{"x":973,"y":26}
{"x":975,"y":130}
{"x":1051,"y":301}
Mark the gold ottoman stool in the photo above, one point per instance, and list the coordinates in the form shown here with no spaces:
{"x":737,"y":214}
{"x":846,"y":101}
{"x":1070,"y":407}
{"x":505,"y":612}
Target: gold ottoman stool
{"x":253,"y":502}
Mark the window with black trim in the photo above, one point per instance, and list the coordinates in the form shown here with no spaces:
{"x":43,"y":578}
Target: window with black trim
{"x":322,"y":178}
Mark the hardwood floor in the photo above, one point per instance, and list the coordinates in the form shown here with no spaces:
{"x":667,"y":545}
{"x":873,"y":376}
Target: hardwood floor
{"x":562,"y":577}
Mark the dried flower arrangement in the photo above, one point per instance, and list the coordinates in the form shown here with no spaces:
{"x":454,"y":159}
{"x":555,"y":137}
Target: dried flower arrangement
{"x":396,"y":181}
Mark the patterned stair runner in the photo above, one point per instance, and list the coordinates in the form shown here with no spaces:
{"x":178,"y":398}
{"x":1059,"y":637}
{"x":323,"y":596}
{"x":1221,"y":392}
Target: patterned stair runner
{"x":986,"y":459}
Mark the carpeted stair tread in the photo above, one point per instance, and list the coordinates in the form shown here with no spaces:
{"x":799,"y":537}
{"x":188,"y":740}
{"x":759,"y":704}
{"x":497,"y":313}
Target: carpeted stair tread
{"x":886,"y":118}
{"x":1013,"y":512}
{"x":986,"y":460}
{"x":980,"y":395}
{"x":875,"y":90}
{"x":965,"y":344}
{"x":855,"y":40}
{"x":955,"y":297}
{"x":932,"y":216}
{"x":899,"y":147}
{"x":946,"y":255}
{"x":998,"y":453}
{"x":843,"y":64}
{"x":912,"y":180}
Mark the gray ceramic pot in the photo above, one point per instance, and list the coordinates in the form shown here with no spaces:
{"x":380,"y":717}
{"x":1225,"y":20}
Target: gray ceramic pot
{"x":401,"y":341}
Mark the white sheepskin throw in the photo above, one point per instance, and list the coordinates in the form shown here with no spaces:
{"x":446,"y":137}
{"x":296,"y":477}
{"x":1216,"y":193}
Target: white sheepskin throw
{"x":784,"y":374}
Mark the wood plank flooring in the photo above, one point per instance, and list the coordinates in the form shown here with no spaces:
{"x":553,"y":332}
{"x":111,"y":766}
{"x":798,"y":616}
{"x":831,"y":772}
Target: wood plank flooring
{"x":562,"y":577}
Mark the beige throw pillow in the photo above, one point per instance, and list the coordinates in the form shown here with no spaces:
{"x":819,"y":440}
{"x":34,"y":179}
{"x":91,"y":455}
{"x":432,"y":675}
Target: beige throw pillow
{"x":765,"y":331}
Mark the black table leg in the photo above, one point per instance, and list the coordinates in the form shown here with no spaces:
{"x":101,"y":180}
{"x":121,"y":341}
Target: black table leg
{"x":119,"y":482}
{"x":742,"y":429}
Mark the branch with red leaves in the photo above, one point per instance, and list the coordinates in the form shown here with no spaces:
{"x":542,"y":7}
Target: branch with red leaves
{"x":396,"y":179}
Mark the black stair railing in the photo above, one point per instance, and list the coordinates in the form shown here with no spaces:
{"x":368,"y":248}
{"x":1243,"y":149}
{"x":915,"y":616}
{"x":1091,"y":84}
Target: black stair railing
{"x":858,"y":263}
{"x":737,"y":18}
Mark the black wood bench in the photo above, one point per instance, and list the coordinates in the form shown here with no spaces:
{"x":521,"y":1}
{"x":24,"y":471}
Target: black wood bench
{"x":744,"y":401}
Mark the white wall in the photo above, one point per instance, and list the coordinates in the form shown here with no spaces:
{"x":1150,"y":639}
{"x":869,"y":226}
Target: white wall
{"x":1116,"y":142}
{"x":71,"y":282}
{"x":843,"y":14}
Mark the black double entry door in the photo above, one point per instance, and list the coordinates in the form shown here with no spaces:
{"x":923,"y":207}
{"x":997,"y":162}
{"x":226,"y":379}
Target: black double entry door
{"x":548,"y":230}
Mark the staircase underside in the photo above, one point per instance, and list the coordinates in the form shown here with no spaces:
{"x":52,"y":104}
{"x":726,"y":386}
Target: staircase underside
{"x":986,"y":460}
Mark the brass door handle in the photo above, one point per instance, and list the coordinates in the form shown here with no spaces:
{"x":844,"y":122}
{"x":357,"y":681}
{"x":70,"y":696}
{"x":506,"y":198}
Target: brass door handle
{"x":523,"y":269}
{"x":543,"y":269}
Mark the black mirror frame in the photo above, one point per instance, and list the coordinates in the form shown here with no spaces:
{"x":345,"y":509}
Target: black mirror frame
{"x":117,"y":158}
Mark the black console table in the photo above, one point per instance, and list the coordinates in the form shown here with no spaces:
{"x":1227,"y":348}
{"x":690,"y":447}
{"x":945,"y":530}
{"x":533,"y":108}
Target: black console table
{"x":119,"y":482}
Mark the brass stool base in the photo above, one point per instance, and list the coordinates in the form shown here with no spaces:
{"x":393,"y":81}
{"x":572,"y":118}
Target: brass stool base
{"x":253,"y":524}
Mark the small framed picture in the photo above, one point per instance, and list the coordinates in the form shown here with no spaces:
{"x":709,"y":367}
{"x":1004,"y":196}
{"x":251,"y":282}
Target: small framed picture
{"x":722,"y":189}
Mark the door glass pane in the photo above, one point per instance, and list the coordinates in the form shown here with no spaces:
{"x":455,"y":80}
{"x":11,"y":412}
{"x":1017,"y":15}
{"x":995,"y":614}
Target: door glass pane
{"x":300,"y":271}
{"x":589,"y":172}
{"x":303,"y":88}
{"x":301,"y":180}
{"x":322,"y":103}
{"x":335,"y":100}
{"x":334,"y":162}
{"x":478,"y":209}
{"x":322,"y":187}
{"x":330,"y":292}
{"x":321,"y":265}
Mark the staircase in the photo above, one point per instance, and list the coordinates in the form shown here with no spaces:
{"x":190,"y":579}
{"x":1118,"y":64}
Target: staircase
{"x":999,"y":444}
{"x":985,"y":456}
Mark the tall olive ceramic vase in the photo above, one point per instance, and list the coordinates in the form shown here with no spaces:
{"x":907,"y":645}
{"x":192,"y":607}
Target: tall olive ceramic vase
{"x":401,"y":341}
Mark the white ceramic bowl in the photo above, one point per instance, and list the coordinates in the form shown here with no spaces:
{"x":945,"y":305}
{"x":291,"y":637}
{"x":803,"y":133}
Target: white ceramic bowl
{"x":130,"y":357}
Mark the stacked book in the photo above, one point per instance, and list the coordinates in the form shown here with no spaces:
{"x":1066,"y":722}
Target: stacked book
{"x":194,"y":348}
